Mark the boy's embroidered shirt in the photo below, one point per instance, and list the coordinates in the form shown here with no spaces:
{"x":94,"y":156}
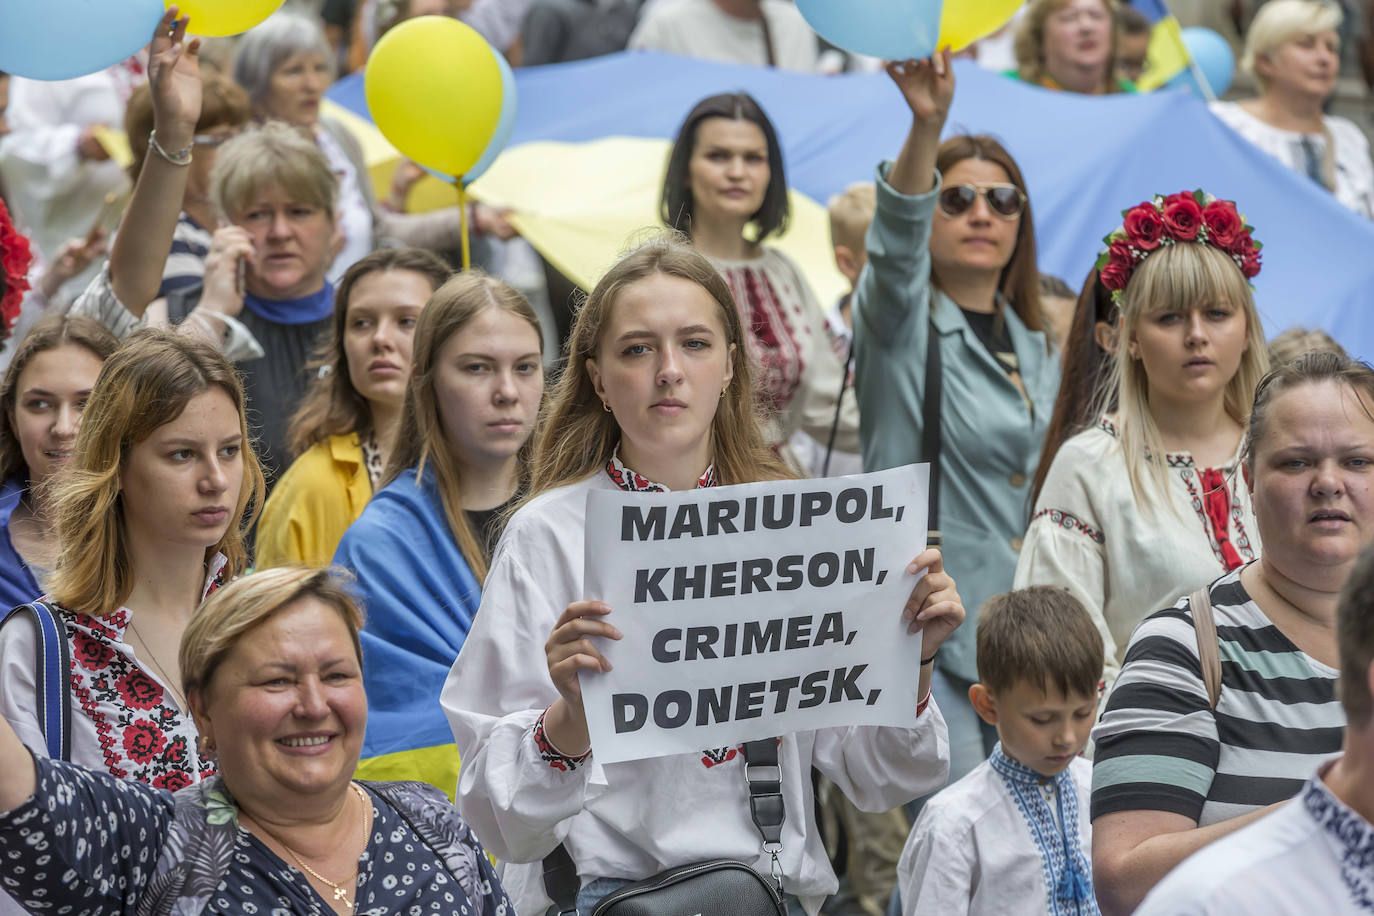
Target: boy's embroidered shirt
{"x":1312,"y":855}
{"x":1049,"y":807}
{"x":995,"y":836}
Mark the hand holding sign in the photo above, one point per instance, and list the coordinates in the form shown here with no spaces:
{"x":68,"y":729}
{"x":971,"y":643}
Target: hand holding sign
{"x":748,"y":611}
{"x":934,"y":608}
{"x":570,"y":652}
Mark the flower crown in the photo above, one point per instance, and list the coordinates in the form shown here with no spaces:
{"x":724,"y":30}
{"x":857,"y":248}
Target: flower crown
{"x":15,"y":258}
{"x":1188,"y":216}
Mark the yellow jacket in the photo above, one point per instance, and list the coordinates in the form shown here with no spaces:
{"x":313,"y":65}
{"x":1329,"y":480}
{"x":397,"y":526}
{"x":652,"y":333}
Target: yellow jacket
{"x":312,"y":505}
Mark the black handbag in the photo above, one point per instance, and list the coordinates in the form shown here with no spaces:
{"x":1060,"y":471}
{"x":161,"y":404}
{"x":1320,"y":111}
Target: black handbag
{"x":716,"y":887}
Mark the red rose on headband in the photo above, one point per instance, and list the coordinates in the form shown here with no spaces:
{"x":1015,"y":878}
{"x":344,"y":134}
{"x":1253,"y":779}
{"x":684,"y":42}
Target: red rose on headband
{"x":1116,"y":274}
{"x":1250,"y":264}
{"x":1182,"y":217}
{"x":1143,"y":226}
{"x":1224,"y":225}
{"x":1120,"y":250}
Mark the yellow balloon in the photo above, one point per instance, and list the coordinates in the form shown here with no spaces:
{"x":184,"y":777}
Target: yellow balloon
{"x":434,"y":89}
{"x":213,"y":18}
{"x":965,"y":21}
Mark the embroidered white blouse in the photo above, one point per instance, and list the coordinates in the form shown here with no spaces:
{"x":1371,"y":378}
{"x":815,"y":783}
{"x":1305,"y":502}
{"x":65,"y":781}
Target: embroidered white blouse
{"x":1089,"y":535}
{"x":123,"y":719}
{"x":991,"y":844}
{"x":1350,"y":157}
{"x":797,"y":371}
{"x":634,"y":819}
{"x":1313,"y":855}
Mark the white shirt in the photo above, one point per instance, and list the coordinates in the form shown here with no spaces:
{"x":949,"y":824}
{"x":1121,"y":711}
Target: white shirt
{"x":55,"y":193}
{"x":972,"y":852}
{"x":354,"y":214}
{"x":1354,"y":171}
{"x":1089,"y":535}
{"x":1313,"y":855}
{"x":699,"y":28}
{"x":634,"y":819}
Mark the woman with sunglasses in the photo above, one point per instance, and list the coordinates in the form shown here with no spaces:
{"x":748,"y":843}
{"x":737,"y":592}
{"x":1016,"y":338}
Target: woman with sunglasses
{"x":725,"y":175}
{"x":952,"y":274}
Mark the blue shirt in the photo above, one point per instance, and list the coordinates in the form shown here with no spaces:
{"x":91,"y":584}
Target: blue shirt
{"x":17,"y":584}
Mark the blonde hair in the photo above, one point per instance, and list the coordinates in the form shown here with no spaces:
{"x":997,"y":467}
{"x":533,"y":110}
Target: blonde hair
{"x":850,"y":212}
{"x":578,"y":436}
{"x":274,"y":154}
{"x":1030,"y":42}
{"x":242,"y":605}
{"x":1294,"y":342}
{"x":1185,"y":275}
{"x":1279,"y":21}
{"x":420,"y":438}
{"x":145,"y":383}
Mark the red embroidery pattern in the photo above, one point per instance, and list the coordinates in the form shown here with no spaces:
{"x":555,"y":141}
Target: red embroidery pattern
{"x":773,"y":340}
{"x":1215,"y":508}
{"x":1064,"y":519}
{"x":715,"y":758}
{"x":633,"y":482}
{"x":552,"y":755}
{"x":143,"y":735}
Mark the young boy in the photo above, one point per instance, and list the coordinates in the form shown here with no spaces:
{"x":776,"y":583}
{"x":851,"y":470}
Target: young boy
{"x":1013,"y":836}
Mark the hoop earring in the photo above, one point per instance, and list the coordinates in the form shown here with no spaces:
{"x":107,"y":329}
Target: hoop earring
{"x":606,"y":407}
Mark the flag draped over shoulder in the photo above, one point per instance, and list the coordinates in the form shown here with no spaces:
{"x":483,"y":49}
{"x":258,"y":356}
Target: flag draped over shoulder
{"x":420,"y":599}
{"x":1168,"y":55}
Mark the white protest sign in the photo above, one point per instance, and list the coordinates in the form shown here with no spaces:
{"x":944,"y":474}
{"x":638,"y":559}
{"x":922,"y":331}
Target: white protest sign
{"x":753,"y":610}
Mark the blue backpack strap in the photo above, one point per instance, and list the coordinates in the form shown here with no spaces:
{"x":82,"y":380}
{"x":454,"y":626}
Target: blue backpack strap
{"x":54,"y":663}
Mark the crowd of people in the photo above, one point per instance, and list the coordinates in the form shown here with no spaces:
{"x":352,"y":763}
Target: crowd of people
{"x":293,"y":514}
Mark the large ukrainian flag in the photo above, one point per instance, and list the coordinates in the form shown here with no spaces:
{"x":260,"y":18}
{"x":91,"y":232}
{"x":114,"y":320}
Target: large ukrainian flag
{"x":1168,"y":55}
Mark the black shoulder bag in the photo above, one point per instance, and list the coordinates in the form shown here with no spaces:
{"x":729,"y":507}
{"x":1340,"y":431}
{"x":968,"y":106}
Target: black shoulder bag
{"x":716,"y":887}
{"x":930,"y":431}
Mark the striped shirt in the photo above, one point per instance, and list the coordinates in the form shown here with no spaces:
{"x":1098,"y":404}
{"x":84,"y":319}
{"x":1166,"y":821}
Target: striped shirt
{"x":186,"y":261}
{"x":1159,"y":745}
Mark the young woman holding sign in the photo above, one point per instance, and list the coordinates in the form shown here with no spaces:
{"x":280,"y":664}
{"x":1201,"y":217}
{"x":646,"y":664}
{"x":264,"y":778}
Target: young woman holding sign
{"x":658,"y":389}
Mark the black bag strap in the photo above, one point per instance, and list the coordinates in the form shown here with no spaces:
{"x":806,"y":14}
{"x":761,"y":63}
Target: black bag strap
{"x":767,"y":809}
{"x":930,"y":430}
{"x":53,"y":665}
{"x":839,"y":403}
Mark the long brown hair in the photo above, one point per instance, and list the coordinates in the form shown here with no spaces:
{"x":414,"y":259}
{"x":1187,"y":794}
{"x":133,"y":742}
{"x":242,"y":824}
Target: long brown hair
{"x":146,"y":382}
{"x":48,"y":333}
{"x":1085,"y":369}
{"x":421,"y":439}
{"x":1020,"y":280}
{"x":578,"y":437}
{"x":332,"y":406}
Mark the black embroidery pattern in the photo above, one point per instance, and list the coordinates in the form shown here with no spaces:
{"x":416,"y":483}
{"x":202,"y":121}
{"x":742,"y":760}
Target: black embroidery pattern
{"x":1356,"y":838}
{"x":1068,"y":520}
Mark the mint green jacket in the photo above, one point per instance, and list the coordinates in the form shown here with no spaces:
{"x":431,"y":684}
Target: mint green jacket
{"x":991,"y":435}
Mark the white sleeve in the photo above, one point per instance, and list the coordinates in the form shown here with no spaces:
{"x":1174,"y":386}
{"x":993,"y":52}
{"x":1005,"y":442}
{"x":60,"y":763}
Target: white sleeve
{"x":1064,"y":546}
{"x":40,"y":151}
{"x":18,"y":682}
{"x":513,"y":797}
{"x":879,"y":768}
{"x":936,"y":873}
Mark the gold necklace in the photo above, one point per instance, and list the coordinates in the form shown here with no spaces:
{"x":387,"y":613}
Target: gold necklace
{"x":161,"y":669}
{"x":340,"y":892}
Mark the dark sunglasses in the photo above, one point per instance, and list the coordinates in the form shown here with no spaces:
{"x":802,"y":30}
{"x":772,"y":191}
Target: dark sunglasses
{"x":1006,"y":200}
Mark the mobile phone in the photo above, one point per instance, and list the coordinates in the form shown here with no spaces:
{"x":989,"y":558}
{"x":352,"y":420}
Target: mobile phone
{"x":241,"y":277}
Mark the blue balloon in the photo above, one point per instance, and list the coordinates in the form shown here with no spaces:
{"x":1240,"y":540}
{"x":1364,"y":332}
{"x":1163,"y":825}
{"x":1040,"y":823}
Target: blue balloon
{"x":63,"y":39}
{"x":890,"y":29}
{"x":1213,"y":56}
{"x":504,"y":126}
